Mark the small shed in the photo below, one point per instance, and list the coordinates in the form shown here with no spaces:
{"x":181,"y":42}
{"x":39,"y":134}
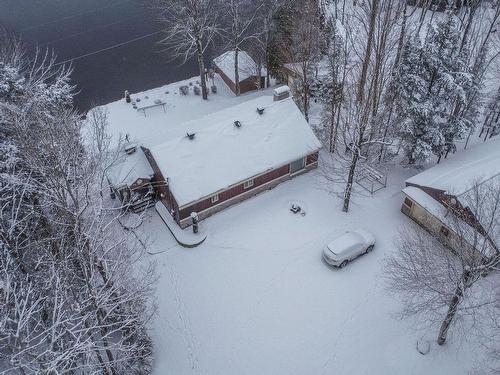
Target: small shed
{"x":130,"y":179}
{"x":434,"y":195}
{"x":251,"y":76}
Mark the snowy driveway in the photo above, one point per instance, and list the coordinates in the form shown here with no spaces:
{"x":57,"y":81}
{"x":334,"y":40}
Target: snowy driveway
{"x":256,"y":297}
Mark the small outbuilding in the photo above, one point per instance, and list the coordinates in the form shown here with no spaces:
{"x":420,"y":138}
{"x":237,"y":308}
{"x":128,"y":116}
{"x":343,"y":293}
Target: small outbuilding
{"x":438,"y":196}
{"x":251,"y":76}
{"x":231,"y":155}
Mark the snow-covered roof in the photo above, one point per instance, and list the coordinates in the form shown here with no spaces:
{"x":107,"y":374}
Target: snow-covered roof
{"x":431,"y":205}
{"x":457,"y":174}
{"x":129,"y":168}
{"x":247,"y":67}
{"x":281,"y":90}
{"x":221,"y":154}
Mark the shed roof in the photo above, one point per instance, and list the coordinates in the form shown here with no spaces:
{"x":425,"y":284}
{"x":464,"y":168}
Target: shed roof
{"x":457,"y":174}
{"x":247,"y":67}
{"x":221,"y":154}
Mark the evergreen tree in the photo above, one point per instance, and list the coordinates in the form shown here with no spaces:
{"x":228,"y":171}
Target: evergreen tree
{"x":432,"y":81}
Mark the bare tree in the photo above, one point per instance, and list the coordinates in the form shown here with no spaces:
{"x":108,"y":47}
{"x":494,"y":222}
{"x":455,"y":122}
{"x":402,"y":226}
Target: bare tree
{"x":240,"y":29}
{"x":190,"y":27}
{"x":303,"y":53}
{"x":267,"y":22}
{"x":449,"y":283}
{"x":73,"y":298}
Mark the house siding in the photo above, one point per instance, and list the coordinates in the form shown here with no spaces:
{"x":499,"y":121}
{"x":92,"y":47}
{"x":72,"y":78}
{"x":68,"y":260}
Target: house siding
{"x":312,"y":158}
{"x":433,"y":225}
{"x":235,"y":194}
{"x":246,"y":85}
{"x":452,"y":202}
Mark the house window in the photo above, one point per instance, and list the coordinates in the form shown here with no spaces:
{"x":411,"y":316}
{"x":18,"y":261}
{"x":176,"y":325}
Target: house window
{"x":444,"y":231}
{"x":408,"y":202}
{"x":297,"y":165}
{"x":248,"y":184}
{"x":215,"y":198}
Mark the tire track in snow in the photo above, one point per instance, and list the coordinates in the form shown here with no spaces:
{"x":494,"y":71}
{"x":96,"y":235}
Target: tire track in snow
{"x":192,"y":344}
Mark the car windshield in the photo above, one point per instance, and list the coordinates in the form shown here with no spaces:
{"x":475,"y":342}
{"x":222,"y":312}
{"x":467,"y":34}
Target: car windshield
{"x":331,"y":250}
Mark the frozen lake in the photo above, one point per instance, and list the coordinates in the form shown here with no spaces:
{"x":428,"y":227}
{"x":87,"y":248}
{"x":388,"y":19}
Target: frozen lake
{"x":79,"y":27}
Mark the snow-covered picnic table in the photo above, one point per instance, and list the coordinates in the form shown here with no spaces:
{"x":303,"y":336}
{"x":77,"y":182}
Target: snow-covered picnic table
{"x":145,"y":103}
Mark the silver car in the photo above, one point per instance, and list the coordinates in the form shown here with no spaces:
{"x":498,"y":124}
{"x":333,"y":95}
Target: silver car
{"x":348,"y":247}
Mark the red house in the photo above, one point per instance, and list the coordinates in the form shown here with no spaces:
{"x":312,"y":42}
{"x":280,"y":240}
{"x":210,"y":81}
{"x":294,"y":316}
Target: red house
{"x":231,"y":155}
{"x":248,"y":71}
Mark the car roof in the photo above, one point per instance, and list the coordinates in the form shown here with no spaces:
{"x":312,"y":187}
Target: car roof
{"x":345,"y":242}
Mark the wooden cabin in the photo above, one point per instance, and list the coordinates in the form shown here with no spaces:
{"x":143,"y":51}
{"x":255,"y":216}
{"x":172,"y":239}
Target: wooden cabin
{"x":248,"y":71}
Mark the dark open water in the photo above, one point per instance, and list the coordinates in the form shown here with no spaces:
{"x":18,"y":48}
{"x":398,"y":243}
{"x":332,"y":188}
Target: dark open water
{"x":77,"y":27}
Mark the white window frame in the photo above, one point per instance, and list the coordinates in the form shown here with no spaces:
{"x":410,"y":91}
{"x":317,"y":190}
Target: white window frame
{"x":409,"y":206}
{"x":214,"y":198}
{"x":248,"y":184}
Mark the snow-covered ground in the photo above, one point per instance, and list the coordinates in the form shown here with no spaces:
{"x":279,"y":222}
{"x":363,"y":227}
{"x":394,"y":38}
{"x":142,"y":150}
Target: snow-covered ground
{"x":256,"y":297}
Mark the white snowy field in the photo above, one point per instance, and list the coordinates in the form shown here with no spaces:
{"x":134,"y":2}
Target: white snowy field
{"x":256,"y":297}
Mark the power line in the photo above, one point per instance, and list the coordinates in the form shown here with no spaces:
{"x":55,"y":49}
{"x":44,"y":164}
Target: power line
{"x":90,"y":30}
{"x":74,"y":16}
{"x":108,"y":48}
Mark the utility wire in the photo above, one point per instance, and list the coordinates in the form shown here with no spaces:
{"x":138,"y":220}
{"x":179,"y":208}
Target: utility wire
{"x":91,"y":30}
{"x":108,"y":48}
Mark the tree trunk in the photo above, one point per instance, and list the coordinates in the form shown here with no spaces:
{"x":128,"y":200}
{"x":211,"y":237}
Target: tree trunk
{"x":366,"y":60}
{"x":350,"y":181}
{"x":468,"y":25}
{"x":201,"y":66}
{"x":267,"y":65}
{"x":236,"y":72}
{"x":333,"y":126}
{"x":104,"y":368}
{"x":386,"y":129}
{"x":401,"y":38}
{"x":452,"y":310}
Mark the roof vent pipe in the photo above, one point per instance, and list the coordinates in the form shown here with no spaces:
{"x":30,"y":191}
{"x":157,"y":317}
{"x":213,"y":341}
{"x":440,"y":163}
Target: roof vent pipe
{"x":237,"y":124}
